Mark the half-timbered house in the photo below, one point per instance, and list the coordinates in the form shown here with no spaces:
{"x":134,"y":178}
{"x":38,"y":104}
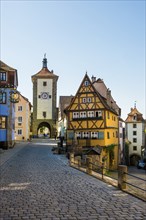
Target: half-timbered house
{"x":93,"y":117}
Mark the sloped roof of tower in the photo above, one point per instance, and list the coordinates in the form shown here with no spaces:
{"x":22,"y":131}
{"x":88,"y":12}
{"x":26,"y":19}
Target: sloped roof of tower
{"x":106,"y":94}
{"x":134,"y":112}
{"x":45,"y":72}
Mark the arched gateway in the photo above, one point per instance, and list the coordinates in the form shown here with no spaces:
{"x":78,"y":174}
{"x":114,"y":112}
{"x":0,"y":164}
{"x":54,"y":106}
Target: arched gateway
{"x":44,"y":101}
{"x":44,"y":129}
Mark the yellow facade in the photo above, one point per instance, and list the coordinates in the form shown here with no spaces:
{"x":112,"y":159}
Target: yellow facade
{"x":92,"y":122}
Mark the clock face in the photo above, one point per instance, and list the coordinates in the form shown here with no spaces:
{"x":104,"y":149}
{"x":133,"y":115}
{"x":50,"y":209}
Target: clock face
{"x":44,"y":95}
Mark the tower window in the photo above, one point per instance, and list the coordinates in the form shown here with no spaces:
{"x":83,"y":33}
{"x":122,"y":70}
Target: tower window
{"x":44,"y":83}
{"x":44,"y":114}
{"x":134,"y":117}
{"x":134,"y":140}
{"x":135,"y":148}
{"x":134,"y":133}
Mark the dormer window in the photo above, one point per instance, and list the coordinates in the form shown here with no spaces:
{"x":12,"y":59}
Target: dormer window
{"x":134,"y":118}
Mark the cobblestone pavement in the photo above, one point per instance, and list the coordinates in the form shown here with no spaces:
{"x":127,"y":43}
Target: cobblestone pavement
{"x":37,"y":184}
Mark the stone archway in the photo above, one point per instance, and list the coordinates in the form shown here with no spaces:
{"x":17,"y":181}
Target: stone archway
{"x":134,"y":159}
{"x":44,"y":130}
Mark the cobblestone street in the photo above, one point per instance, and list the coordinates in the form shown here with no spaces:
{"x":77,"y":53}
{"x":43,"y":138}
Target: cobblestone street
{"x":37,"y":184}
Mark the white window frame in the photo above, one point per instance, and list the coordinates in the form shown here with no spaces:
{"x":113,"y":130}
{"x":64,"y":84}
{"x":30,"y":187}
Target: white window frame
{"x":83,"y":115}
{"x":86,"y":83}
{"x":75,"y":115}
{"x":84,"y":100}
{"x":20,"y":119}
{"x":94,"y":135}
{"x":78,"y":135}
{"x":3,"y":76}
{"x":20,"y":108}
{"x":19,"y":131}
{"x":90,"y":114}
{"x":89,"y":99}
{"x":99,"y":113}
{"x":86,"y":134}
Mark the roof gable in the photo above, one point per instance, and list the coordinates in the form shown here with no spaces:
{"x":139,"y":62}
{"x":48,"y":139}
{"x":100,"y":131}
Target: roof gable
{"x":134,"y":116}
{"x":87,"y":87}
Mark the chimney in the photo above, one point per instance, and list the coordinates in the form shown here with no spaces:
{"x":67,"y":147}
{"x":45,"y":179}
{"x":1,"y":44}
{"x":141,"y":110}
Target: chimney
{"x":109,"y":97}
{"x":93,"y":78}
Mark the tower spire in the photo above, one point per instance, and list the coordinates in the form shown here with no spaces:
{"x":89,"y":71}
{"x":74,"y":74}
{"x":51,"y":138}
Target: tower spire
{"x":45,"y":61}
{"x":135,"y":104}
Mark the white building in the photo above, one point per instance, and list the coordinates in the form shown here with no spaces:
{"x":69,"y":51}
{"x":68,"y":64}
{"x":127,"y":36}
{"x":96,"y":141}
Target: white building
{"x":135,"y":133}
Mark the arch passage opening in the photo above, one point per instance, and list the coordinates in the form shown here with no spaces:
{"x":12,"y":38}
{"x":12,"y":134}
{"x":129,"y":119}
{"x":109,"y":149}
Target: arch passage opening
{"x":44,"y":130}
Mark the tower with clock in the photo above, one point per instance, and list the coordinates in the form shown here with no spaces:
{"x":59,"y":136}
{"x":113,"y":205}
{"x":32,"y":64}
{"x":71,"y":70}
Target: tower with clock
{"x":44,"y":101}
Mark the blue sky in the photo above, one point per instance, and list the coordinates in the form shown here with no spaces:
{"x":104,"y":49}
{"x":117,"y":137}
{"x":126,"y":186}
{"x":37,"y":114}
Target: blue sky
{"x":105,"y":38}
